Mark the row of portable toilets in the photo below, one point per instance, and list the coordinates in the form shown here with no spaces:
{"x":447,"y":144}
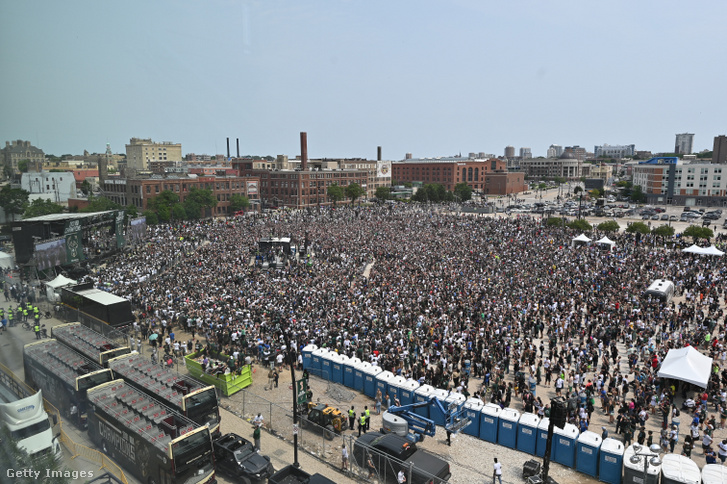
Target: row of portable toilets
{"x":605,"y":459}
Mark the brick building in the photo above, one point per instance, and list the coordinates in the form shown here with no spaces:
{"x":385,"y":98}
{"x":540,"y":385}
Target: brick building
{"x":488,"y":177}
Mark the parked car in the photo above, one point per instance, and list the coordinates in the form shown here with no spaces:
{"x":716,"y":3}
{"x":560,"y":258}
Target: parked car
{"x":655,"y":217}
{"x":664,"y":216}
{"x":673,"y":218}
{"x":237,"y":458}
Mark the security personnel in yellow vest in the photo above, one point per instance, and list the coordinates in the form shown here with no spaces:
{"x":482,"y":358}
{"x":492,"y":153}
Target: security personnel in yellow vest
{"x":36,"y":328}
{"x":351,"y":418}
{"x":11,"y":317}
{"x":36,"y":317}
{"x":362,"y":424}
{"x":25,"y":314}
{"x":2,"y":313}
{"x":368,"y":416}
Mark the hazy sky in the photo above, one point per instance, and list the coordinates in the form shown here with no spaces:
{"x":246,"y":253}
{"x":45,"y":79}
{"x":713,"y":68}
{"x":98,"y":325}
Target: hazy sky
{"x":433,"y":78}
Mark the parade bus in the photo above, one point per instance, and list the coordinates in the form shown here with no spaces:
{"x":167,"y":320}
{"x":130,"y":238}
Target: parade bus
{"x":64,"y":376}
{"x":151,"y":441}
{"x":186,"y":395}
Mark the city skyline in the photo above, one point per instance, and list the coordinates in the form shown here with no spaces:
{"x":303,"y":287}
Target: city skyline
{"x":425,"y":78}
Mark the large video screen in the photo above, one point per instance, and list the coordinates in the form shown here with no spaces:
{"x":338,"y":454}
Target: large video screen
{"x":50,"y":254}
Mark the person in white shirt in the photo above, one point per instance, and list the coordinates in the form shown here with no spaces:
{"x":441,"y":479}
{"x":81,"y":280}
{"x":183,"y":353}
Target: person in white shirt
{"x":722,"y":451}
{"x":497,"y":472}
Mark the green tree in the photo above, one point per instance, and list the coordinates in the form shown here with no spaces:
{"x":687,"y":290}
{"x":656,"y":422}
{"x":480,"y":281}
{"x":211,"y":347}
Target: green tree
{"x":85,"y":187}
{"x":608,"y":226}
{"x":595,"y":193}
{"x":383,"y":193}
{"x":100,"y":204}
{"x":14,"y":459}
{"x":162,"y":204}
{"x":577,"y":190}
{"x":23,"y":166}
{"x":697,"y":232}
{"x":238,"y":202}
{"x":462,"y":192}
{"x":638,"y":228}
{"x":663,"y":231}
{"x":335,"y":193}
{"x":13,"y":200}
{"x":132,"y":212}
{"x":197,"y":200}
{"x":581,"y":225}
{"x":554,"y":222}
{"x":7,"y":171}
{"x":41,"y":206}
{"x":354,"y":191}
{"x":637,"y":195}
{"x":151,"y":217}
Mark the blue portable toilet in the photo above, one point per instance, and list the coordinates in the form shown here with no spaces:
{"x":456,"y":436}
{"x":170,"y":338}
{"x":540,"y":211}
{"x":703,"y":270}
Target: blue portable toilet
{"x":564,"y":445}
{"x":489,"y":422}
{"x":542,"y":438}
{"x":679,"y":469}
{"x":714,"y":474}
{"x":422,"y":395}
{"x":337,"y":363}
{"x":435,"y":407}
{"x":326,"y":367}
{"x":358,"y":376}
{"x":456,"y":398}
{"x":588,"y":445}
{"x":472,"y":410}
{"x":407,"y":391}
{"x":610,"y":461}
{"x":349,"y":375}
{"x":307,"y":353}
{"x":507,"y":429}
{"x":395,"y":386}
{"x":370,"y":372}
{"x":315,"y":363}
{"x":382,"y":383}
{"x":527,"y":432}
{"x":633,"y":472}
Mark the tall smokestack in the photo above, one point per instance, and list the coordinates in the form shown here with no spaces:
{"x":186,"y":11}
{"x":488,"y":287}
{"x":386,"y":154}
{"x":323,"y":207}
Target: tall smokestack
{"x":238,"y":147}
{"x":303,"y":150}
{"x":378,"y":153}
{"x":228,"y":148}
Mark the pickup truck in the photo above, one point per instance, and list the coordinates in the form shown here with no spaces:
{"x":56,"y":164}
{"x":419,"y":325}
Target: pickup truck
{"x":236,"y":457}
{"x":403,"y":454}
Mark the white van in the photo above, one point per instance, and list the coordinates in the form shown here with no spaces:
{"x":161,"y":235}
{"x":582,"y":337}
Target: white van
{"x":662,"y":289}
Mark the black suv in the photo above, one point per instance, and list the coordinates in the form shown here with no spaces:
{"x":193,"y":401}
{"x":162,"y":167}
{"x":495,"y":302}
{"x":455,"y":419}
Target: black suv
{"x":237,"y":457}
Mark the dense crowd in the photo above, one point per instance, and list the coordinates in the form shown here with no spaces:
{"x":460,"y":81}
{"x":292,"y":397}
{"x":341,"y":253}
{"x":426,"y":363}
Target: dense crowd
{"x":446,"y":299}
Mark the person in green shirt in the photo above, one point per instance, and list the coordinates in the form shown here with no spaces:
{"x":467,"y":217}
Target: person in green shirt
{"x":256,"y":437}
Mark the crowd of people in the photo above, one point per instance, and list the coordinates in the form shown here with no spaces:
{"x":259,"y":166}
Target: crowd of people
{"x":502,"y":308}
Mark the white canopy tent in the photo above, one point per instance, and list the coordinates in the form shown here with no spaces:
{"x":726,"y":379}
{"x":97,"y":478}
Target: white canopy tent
{"x":606,"y":241}
{"x":55,"y":285}
{"x":693,"y":249}
{"x":7,"y":261}
{"x":712,"y":250}
{"x":687,"y":364}
{"x":580,"y":240}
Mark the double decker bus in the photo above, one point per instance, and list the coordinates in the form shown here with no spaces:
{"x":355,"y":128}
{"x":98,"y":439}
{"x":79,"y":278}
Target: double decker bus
{"x":64,"y":376}
{"x":186,"y":395}
{"x":150,"y":440}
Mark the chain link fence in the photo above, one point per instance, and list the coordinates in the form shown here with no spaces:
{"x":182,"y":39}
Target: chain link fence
{"x":325,"y":443}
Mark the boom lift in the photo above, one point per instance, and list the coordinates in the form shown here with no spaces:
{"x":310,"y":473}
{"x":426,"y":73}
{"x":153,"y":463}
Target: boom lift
{"x":403,"y":421}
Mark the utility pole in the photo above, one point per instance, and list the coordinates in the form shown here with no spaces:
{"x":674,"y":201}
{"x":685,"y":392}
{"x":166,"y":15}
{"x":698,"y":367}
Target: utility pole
{"x":291,"y":362}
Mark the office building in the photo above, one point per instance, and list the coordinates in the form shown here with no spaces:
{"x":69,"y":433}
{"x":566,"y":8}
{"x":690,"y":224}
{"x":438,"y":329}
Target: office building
{"x":719,"y":151}
{"x":684,"y":143}
{"x":140,"y":153}
{"x":618,"y":151}
{"x":666,"y":180}
{"x":19,"y":150}
{"x":526,"y":153}
{"x":554,"y":151}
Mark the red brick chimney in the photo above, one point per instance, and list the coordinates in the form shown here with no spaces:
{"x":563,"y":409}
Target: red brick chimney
{"x":303,"y":150}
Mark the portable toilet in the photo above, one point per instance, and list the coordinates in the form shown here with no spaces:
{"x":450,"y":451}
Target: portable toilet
{"x":679,"y":469}
{"x":407,"y":391}
{"x":714,"y":474}
{"x":634,"y":470}
{"x":564,"y":445}
{"x":326,"y":367}
{"x":349,"y":371}
{"x":435,"y":407}
{"x":587,"y":448}
{"x":542,"y":438}
{"x":507,"y":429}
{"x":337,"y":364}
{"x":307,"y":353}
{"x":382,"y":383}
{"x":370,"y":372}
{"x":527,"y":432}
{"x":489,"y":422}
{"x":422,"y":395}
{"x":315,"y":363}
{"x":473,"y":411}
{"x":610,"y":461}
{"x":395,"y":386}
{"x":358,"y":375}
